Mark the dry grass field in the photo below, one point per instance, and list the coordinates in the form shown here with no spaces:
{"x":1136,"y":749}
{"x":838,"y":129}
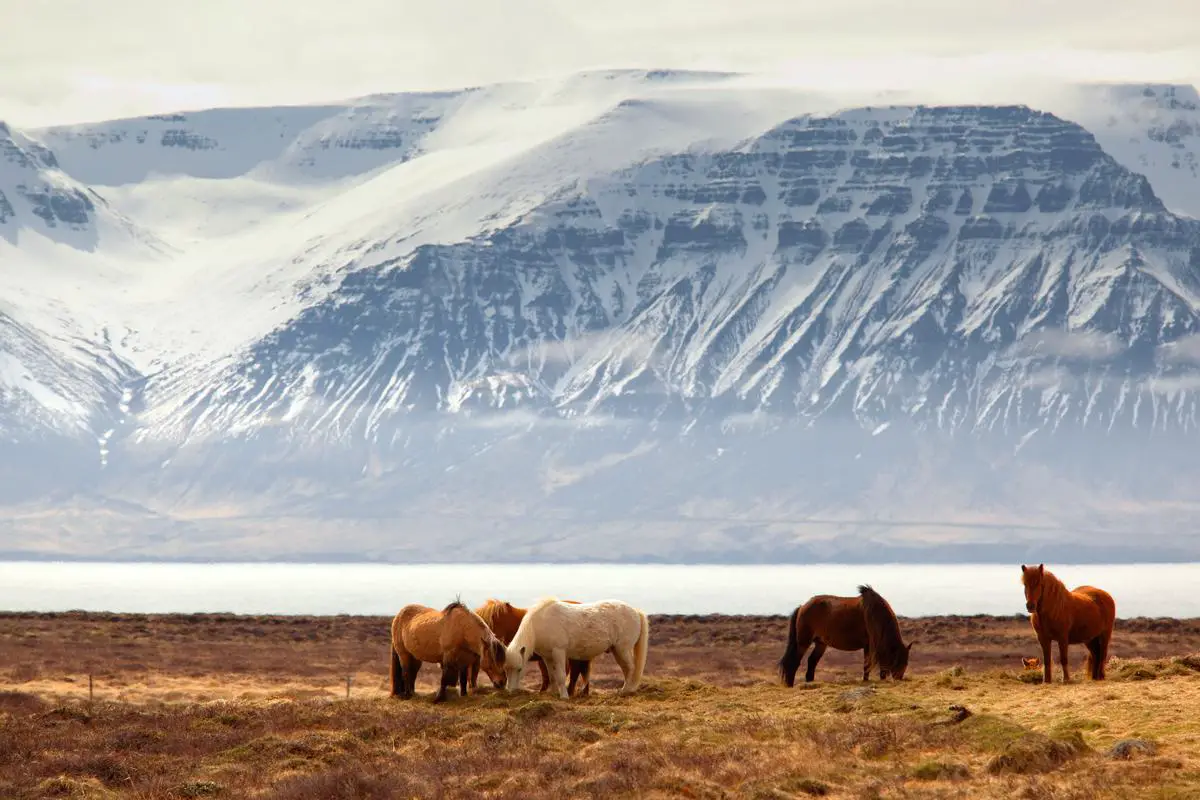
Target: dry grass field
{"x":256,"y":707}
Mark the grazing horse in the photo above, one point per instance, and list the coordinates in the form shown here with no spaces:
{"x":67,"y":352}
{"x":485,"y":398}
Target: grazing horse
{"x":1083,"y":615}
{"x":454,"y":637}
{"x":864,"y":623}
{"x":504,"y":619}
{"x":559,"y":631}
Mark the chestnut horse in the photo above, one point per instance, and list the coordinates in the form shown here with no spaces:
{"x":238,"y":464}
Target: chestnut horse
{"x":454,"y":637}
{"x":864,"y":623}
{"x":1083,"y":615}
{"x":504,"y":619}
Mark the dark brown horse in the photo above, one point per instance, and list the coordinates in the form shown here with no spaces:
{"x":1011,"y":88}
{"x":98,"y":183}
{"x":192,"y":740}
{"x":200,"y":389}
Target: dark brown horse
{"x":864,"y":623}
{"x":1084,"y":615}
{"x":504,"y":619}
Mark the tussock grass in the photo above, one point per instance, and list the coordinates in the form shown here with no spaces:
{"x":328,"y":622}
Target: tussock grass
{"x":963,"y":725}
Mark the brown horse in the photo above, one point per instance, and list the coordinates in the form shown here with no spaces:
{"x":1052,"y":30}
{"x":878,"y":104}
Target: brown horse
{"x":504,"y":619}
{"x":1084,"y":615}
{"x":454,"y":637}
{"x":864,"y":623}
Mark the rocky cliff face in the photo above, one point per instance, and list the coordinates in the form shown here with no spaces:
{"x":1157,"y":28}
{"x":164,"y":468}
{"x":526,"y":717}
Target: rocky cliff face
{"x":878,"y":332}
{"x":960,"y":268}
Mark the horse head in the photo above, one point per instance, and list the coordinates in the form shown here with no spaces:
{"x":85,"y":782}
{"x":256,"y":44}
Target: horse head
{"x":494,"y":656}
{"x":1031,"y":577}
{"x":514,"y":666}
{"x":900,"y":664}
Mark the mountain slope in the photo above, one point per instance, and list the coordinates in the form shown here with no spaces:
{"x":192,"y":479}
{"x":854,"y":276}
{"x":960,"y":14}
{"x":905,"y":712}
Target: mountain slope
{"x":628,"y":315}
{"x":960,"y":266}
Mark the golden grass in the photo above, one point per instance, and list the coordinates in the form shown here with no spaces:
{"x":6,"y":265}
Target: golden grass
{"x":709,"y":722}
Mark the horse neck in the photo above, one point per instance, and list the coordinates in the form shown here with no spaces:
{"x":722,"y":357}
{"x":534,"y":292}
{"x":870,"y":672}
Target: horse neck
{"x":1054,"y":592}
{"x":523,"y":637}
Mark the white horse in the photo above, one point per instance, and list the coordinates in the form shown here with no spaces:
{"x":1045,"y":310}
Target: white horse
{"x":557,"y":631}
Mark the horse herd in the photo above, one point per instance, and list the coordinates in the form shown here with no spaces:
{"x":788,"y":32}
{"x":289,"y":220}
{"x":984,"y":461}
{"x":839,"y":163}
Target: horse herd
{"x":563,"y":637}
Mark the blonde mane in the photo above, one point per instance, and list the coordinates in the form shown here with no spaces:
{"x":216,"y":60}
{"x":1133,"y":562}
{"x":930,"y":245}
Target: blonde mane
{"x":487,"y":612}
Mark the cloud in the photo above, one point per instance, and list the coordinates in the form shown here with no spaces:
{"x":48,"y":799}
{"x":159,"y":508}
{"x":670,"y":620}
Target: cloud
{"x":1071,"y":345}
{"x":1174,"y":384}
{"x":1182,"y":351}
{"x":589,"y":347}
{"x":147,"y":56}
{"x":1050,"y":378}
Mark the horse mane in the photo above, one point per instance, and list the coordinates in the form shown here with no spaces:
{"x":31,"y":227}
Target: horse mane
{"x":1055,"y":596}
{"x":883,"y":629}
{"x":456,"y":604}
{"x":487,"y":612}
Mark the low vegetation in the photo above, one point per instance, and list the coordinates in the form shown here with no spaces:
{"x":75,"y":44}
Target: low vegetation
{"x":710,"y":722}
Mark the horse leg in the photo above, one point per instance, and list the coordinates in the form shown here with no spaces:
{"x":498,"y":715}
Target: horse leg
{"x":810,"y":672}
{"x":462,"y":680}
{"x":475,"y":675}
{"x":557,"y":665}
{"x":624,"y":658}
{"x":804,"y":638}
{"x":449,"y":678}
{"x":541,"y":662}
{"x":1047,"y":660}
{"x":1062,"y":656}
{"x":866,"y":662}
{"x":579,"y":669}
{"x":411,"y":667}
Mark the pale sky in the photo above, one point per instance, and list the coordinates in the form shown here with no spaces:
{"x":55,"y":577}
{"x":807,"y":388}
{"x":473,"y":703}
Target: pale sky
{"x":75,"y":60}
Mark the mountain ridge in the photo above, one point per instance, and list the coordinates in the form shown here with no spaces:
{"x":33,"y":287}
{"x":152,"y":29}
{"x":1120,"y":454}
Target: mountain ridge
{"x":429,"y":314}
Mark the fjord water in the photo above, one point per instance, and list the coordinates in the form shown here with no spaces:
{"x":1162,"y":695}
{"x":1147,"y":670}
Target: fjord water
{"x":1154,"y":590}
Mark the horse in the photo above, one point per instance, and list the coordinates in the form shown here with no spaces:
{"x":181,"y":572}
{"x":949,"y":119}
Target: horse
{"x":1083,"y":615}
{"x":558,"y":631}
{"x":864,"y":623}
{"x":454,"y":637}
{"x":504,"y":619}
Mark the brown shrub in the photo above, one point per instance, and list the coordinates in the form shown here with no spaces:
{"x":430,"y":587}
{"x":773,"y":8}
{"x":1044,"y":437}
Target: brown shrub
{"x":1034,"y":753}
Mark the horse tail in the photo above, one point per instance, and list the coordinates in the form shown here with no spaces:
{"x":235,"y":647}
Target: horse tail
{"x":641,"y":649}
{"x":397,"y":669}
{"x":791,"y":656}
{"x":397,"y":672}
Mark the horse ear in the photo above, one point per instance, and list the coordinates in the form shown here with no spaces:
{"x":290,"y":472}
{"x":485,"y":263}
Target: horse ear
{"x":1041,"y":569}
{"x":910,"y":644}
{"x":1022,"y":569}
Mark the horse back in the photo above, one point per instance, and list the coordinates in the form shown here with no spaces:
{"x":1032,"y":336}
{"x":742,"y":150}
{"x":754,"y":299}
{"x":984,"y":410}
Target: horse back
{"x":837,"y":621}
{"x":1093,"y":612}
{"x":417,"y":630}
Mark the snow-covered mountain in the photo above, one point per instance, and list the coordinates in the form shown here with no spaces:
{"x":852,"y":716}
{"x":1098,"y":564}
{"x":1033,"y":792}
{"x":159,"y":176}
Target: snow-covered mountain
{"x":625,"y":315}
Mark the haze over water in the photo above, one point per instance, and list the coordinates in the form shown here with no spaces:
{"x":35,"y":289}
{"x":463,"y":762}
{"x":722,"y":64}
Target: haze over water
{"x":1155,"y":590}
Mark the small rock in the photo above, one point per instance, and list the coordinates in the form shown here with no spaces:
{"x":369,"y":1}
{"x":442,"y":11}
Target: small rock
{"x":855,"y":695}
{"x":960,"y":713}
{"x":1128,"y":748}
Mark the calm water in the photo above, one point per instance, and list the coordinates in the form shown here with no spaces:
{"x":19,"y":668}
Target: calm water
{"x":913,"y":590}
